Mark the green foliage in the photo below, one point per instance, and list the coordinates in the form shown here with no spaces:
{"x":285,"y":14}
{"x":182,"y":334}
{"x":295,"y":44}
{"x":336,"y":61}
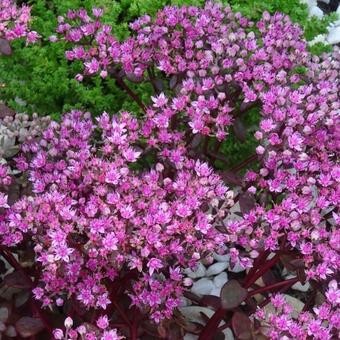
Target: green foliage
{"x":41,"y":76}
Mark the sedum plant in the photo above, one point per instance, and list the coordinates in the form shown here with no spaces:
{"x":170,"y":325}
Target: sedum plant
{"x":120,"y":207}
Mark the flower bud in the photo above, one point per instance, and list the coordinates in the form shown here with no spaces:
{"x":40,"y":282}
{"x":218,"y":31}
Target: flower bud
{"x":58,"y":334}
{"x":68,"y":322}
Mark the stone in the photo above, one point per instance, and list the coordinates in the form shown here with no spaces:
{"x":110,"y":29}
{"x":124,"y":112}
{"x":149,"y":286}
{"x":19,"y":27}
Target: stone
{"x":220,"y":279}
{"x":216,"y":268}
{"x":189,"y":336}
{"x":202,"y":287}
{"x":199,"y":272}
{"x":228,"y":334}
{"x":216,"y":291}
{"x":236,"y":268}
{"x":334,"y":35}
{"x":316,"y":12}
{"x":193,"y":313}
{"x":221,"y":258}
{"x":299,"y":286}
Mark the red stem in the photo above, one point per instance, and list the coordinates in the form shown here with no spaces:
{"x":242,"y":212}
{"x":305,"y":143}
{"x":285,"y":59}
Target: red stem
{"x":134,"y":327}
{"x":247,"y":161}
{"x":132,"y":94}
{"x":16,"y":265}
{"x":260,"y":290}
{"x":121,"y":313}
{"x":211,"y":327}
{"x":267,"y":265}
{"x":258,"y":261}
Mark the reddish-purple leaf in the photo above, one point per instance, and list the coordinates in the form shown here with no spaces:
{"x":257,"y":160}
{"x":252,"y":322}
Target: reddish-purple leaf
{"x":27,"y":326}
{"x":16,"y":280}
{"x":241,"y":326}
{"x":5,"y":111}
{"x":240,"y":130}
{"x":3,"y":268}
{"x":211,"y":301}
{"x":247,"y":202}
{"x":5,"y":47}
{"x":159,"y":85}
{"x":230,"y":177}
{"x":298,"y":263}
{"x":174,"y":332}
{"x":232,"y":294}
{"x":269,"y":278}
{"x":196,"y":141}
{"x":219,"y":336}
{"x":301,"y":275}
{"x":173,"y":81}
{"x":134,"y":78}
{"x":5,"y":311}
{"x":291,"y":262}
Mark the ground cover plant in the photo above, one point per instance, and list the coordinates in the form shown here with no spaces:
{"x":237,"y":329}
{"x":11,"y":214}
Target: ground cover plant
{"x":106,"y":218}
{"x":52,"y":88}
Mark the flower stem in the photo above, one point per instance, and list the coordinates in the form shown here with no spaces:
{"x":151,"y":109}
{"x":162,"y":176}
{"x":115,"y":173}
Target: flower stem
{"x":132,"y":94}
{"x":211,"y":327}
{"x":276,"y":285}
{"x":8,"y":256}
{"x":266,"y":266}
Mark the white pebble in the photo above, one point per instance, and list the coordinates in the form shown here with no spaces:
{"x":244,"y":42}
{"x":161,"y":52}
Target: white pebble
{"x":203,"y":286}
{"x":216,"y":268}
{"x":236,"y":268}
{"x":216,"y":291}
{"x":199,"y":272}
{"x":220,"y":279}
{"x":302,"y":288}
{"x":221,"y":258}
{"x":228,"y":334}
{"x":316,"y":11}
{"x":299,"y":286}
{"x":334,"y":35}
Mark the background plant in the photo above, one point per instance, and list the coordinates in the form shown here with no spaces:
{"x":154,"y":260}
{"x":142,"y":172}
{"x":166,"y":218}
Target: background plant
{"x":207,"y":68}
{"x":52,"y":87}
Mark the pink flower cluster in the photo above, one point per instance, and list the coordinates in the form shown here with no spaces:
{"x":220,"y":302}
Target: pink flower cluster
{"x":14,"y":22}
{"x":281,"y":322}
{"x":208,"y":54}
{"x":93,"y":217}
{"x":87,"y":331}
{"x":94,"y":44}
{"x":100,"y":215}
{"x":300,"y":139}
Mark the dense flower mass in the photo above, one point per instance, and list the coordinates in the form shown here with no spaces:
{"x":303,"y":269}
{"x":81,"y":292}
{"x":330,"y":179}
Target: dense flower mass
{"x":300,"y":141}
{"x":126,"y":203}
{"x":322,"y":323}
{"x":93,"y":216}
{"x":14,"y":22}
{"x":94,"y":43}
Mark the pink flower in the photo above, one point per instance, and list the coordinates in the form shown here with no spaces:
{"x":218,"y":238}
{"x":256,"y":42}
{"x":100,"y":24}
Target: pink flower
{"x":92,"y":66}
{"x":103,"y":322}
{"x":154,"y":264}
{"x":159,"y":101}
